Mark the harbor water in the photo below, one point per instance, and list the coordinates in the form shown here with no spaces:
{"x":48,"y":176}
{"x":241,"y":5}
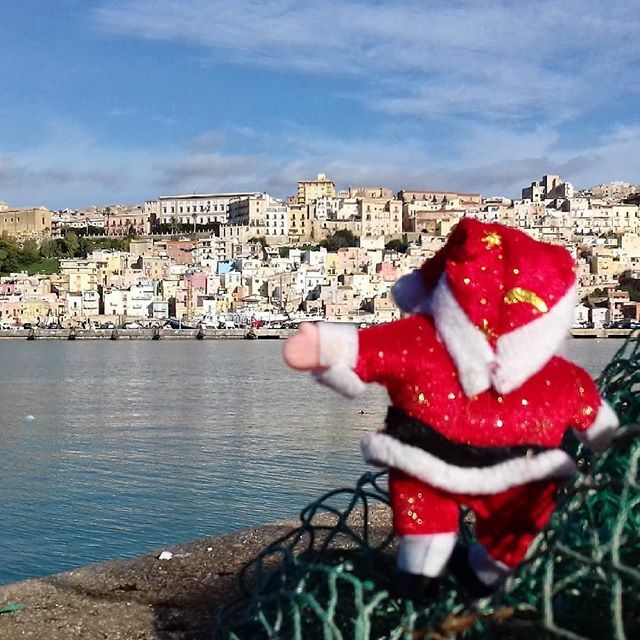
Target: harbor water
{"x":111,"y":449}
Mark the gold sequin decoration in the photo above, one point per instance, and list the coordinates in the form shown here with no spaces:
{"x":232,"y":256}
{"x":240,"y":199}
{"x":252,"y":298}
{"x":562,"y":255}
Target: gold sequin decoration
{"x":466,"y":280}
{"x":492,"y":240}
{"x":487,"y":330}
{"x":518,"y":294}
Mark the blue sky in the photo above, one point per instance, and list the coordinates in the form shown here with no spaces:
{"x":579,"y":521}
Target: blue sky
{"x":106,"y":101}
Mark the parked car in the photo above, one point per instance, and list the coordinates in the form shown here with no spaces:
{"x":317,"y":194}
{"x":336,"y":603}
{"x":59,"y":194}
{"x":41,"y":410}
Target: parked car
{"x":133,"y":325}
{"x":27,"y":325}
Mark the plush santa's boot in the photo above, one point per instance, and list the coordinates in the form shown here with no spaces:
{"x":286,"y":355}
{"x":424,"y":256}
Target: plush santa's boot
{"x":421,"y":561}
{"x":476,"y":571}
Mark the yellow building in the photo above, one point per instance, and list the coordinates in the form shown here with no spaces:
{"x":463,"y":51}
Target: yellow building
{"x":78,"y":274}
{"x":310,"y":190}
{"x":25,"y":222}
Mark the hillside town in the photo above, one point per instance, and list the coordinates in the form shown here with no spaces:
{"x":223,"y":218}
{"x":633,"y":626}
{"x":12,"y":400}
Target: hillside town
{"x":232,"y":259}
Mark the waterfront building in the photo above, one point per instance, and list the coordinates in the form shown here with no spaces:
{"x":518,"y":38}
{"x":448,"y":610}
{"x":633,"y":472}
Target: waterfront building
{"x":77,"y":275}
{"x":114,"y":302}
{"x":383,"y":308}
{"x":139,"y":299}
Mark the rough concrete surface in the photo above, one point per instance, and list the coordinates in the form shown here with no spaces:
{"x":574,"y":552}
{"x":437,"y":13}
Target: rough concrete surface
{"x":145,"y":598}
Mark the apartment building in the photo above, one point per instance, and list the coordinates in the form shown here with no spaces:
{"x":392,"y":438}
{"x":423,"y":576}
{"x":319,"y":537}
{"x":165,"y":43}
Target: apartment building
{"x":614,"y":191}
{"x":264,"y":215}
{"x":310,"y":190}
{"x":77,"y":275}
{"x":380,"y":216}
{"x":199,"y":209}
{"x":551,"y":186}
{"x":127,"y":221}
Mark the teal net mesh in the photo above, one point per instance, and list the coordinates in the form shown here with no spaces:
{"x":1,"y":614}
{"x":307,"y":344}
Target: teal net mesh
{"x":331,"y":577}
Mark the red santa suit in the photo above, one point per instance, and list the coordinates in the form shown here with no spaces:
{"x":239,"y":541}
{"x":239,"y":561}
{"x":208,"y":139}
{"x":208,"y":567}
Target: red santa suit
{"x":480,"y":403}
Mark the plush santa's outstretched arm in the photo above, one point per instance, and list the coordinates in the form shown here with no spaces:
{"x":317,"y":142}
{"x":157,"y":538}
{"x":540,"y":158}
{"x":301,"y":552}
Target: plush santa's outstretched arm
{"x":330,"y":352}
{"x":599,"y":434}
{"x":595,"y":422}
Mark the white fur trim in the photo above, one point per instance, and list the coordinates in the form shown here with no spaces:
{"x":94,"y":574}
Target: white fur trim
{"x":488,"y":570}
{"x":341,"y":379}
{"x":409,"y":292}
{"x":339,"y":353}
{"x":524,"y":351}
{"x":519,"y":354}
{"x":382,"y":449}
{"x":465,"y":343}
{"x":338,"y":344}
{"x":598,"y":436}
{"x":425,"y":555}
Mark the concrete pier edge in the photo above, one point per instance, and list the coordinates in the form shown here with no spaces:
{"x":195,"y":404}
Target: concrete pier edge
{"x":213,"y":334}
{"x":146,"y":598}
{"x":144,"y":334}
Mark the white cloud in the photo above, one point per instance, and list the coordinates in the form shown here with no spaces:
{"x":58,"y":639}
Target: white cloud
{"x":72,"y":168}
{"x":487,"y":60}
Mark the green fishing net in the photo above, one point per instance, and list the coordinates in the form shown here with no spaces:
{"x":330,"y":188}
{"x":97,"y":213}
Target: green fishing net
{"x":331,"y":578}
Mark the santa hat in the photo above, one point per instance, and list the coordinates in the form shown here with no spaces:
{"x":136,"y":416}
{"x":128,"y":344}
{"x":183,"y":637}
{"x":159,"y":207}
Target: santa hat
{"x":501,"y":301}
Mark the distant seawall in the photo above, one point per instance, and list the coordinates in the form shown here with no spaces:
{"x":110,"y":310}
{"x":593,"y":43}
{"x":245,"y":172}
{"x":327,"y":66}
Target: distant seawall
{"x":146,"y":334}
{"x":211,"y":334}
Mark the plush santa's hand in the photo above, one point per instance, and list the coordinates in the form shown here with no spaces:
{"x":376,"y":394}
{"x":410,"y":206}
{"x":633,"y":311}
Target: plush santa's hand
{"x":302,"y":350}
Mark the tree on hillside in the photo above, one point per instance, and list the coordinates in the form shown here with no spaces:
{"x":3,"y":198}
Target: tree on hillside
{"x":9,"y":255}
{"x":397,"y":245}
{"x":339,"y":240}
{"x":260,"y":240}
{"x":30,"y":251}
{"x":632,"y":286}
{"x":71,"y":245}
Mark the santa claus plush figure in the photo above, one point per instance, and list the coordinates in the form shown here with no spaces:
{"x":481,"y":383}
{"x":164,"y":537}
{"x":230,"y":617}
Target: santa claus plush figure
{"x":480,"y":401}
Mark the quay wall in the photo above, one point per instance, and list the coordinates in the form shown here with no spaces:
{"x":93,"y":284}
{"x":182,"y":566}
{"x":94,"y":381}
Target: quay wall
{"x":212,"y":334}
{"x":145,"y":334}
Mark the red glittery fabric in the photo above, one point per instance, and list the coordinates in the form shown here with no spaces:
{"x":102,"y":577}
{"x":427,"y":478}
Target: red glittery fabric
{"x":415,"y":367}
{"x":501,"y":277}
{"x":506,"y":522}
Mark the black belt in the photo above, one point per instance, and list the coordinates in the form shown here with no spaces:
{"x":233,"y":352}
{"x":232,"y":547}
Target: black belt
{"x":416,"y":433}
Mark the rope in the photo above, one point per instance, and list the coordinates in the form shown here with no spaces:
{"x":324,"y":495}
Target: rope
{"x":331,"y":577}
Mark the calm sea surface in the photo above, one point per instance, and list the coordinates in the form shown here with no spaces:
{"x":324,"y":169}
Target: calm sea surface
{"x":113,"y":449}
